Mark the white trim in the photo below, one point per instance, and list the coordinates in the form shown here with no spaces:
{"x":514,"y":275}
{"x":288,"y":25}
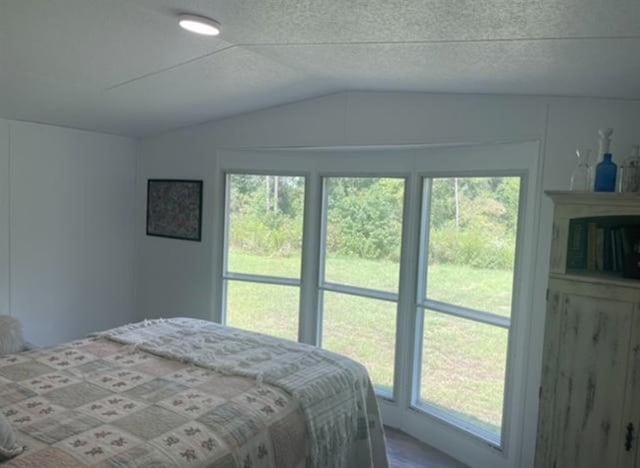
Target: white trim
{"x":467,"y":313}
{"x":322,"y":259}
{"x":354,"y":148}
{"x":457,"y":422}
{"x":421,"y":286}
{"x":533,"y":324}
{"x":517,"y":334}
{"x":309,"y":322}
{"x":482,"y":158}
{"x":9,"y":220}
{"x":405,"y":318}
{"x":227,"y":222}
{"x":361,"y":292}
{"x":264,"y":279}
{"x":219,"y":288}
{"x":322,"y":251}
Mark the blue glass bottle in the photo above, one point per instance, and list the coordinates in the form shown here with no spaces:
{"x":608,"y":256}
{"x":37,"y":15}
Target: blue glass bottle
{"x":606,"y":172}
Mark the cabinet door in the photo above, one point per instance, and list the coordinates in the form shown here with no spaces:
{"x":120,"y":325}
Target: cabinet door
{"x":548,"y":382}
{"x":588,"y":416}
{"x":629,"y":446}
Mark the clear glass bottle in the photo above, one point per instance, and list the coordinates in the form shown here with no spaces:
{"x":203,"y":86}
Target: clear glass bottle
{"x":581,"y":176}
{"x":629,"y":176}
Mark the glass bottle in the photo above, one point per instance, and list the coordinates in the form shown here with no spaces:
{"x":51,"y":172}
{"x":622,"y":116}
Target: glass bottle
{"x":581,"y":176}
{"x":629,"y":176}
{"x":606,"y":170}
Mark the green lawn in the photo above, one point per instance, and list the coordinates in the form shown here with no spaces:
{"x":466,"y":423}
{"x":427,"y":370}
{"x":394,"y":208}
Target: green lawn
{"x":463,"y":361}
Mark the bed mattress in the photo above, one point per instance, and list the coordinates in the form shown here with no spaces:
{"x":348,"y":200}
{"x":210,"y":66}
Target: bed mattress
{"x":185,"y":392}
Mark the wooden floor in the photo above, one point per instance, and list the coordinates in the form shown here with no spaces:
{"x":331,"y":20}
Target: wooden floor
{"x":406,"y":452}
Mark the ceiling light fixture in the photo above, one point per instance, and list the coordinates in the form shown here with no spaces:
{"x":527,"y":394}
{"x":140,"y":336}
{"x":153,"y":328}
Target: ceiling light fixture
{"x":199,"y":25}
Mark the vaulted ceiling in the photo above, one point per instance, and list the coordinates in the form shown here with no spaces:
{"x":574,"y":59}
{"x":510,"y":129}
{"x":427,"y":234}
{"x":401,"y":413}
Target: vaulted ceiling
{"x":123,"y":66}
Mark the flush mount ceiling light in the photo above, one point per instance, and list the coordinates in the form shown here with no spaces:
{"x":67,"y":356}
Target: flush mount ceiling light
{"x":199,"y":25}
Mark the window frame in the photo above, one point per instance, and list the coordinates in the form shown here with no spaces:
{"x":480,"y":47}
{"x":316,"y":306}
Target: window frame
{"x":227,"y":275}
{"x":461,"y":312}
{"x":413,"y":161}
{"x":367,"y":293}
{"x":422,"y":302}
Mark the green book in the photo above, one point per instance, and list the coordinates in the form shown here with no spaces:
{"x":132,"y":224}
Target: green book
{"x":577,"y":245}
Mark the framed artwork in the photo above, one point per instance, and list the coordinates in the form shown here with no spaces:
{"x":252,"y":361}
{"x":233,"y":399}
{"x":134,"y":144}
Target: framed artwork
{"x":174,"y":209}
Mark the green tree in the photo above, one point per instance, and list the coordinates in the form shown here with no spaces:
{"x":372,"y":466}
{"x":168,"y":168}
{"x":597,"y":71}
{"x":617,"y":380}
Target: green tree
{"x":365,"y":217}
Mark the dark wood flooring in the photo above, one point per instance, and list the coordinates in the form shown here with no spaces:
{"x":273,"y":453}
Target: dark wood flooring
{"x":406,"y":452}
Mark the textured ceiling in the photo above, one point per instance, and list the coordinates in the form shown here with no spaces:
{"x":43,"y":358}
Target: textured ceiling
{"x":123,"y":66}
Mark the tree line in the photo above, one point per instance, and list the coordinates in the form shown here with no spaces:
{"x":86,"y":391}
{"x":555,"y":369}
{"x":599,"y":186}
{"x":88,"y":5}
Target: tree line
{"x":473,"y":221}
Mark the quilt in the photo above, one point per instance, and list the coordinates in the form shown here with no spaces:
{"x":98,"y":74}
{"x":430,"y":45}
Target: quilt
{"x":184,"y":392}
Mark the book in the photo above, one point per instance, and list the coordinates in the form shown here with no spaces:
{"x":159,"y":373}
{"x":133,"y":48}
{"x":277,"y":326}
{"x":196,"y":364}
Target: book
{"x":614,"y":254}
{"x":599,"y":249}
{"x":619,"y":249}
{"x":607,"y":253}
{"x":577,"y":245}
{"x":592,"y":229}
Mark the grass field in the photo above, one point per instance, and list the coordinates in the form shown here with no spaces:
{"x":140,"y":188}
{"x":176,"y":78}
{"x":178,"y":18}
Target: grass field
{"x":463,"y":362}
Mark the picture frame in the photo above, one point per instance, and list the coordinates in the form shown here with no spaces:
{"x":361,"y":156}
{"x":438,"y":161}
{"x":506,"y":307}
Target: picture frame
{"x":174,"y":209}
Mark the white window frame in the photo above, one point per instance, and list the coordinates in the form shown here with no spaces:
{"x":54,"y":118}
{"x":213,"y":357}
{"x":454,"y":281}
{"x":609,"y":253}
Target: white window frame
{"x":467,"y":313}
{"x":358,"y":291}
{"x":521,"y":159}
{"x":413,"y":162}
{"x":227,"y":275}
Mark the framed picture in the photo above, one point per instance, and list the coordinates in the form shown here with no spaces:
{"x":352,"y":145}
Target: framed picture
{"x":174,"y":209}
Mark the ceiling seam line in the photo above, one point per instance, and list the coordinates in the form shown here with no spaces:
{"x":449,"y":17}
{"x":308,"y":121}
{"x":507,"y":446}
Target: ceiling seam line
{"x":437,"y":41}
{"x":358,"y":43}
{"x":172,"y":67}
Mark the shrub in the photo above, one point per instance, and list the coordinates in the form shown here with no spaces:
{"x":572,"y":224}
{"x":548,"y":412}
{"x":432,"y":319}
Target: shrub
{"x":479,"y":248}
{"x":271,"y":233}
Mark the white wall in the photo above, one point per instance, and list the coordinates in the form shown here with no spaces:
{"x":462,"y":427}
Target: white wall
{"x":4,"y":217}
{"x":67,"y":230}
{"x":175,"y":277}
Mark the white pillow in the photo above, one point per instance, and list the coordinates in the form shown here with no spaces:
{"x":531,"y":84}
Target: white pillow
{"x":9,"y":447}
{"x":11,"y":340}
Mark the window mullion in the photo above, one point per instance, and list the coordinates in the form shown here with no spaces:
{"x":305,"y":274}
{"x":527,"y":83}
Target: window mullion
{"x":265,"y":279}
{"x":423,"y":256}
{"x":357,"y":291}
{"x":323,"y":208}
{"x":464,"y":312}
{"x":219,"y":287}
{"x":407,"y":325}
{"x":308,"y":313}
{"x":227,"y":218}
{"x":424,"y":214}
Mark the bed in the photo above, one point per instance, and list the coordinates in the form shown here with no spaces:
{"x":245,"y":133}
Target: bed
{"x":184,"y":392}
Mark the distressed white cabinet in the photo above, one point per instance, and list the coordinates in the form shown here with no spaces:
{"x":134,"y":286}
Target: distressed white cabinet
{"x":590,"y":390}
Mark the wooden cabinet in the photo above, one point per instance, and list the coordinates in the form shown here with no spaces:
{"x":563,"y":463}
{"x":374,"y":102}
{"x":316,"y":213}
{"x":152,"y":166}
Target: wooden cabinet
{"x":590,"y":391}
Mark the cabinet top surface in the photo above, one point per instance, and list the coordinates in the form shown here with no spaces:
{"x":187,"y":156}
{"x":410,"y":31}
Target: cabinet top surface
{"x":594,"y":198}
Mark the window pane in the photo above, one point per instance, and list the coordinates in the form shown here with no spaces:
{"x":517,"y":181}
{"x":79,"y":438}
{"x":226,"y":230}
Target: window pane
{"x":363,"y":329}
{"x":364,"y":231}
{"x":265,"y":224}
{"x":472,"y":240}
{"x":263,"y":308}
{"x":463,"y":370}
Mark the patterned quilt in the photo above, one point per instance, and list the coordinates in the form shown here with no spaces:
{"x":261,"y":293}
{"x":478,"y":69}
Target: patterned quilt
{"x":171,"y":393}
